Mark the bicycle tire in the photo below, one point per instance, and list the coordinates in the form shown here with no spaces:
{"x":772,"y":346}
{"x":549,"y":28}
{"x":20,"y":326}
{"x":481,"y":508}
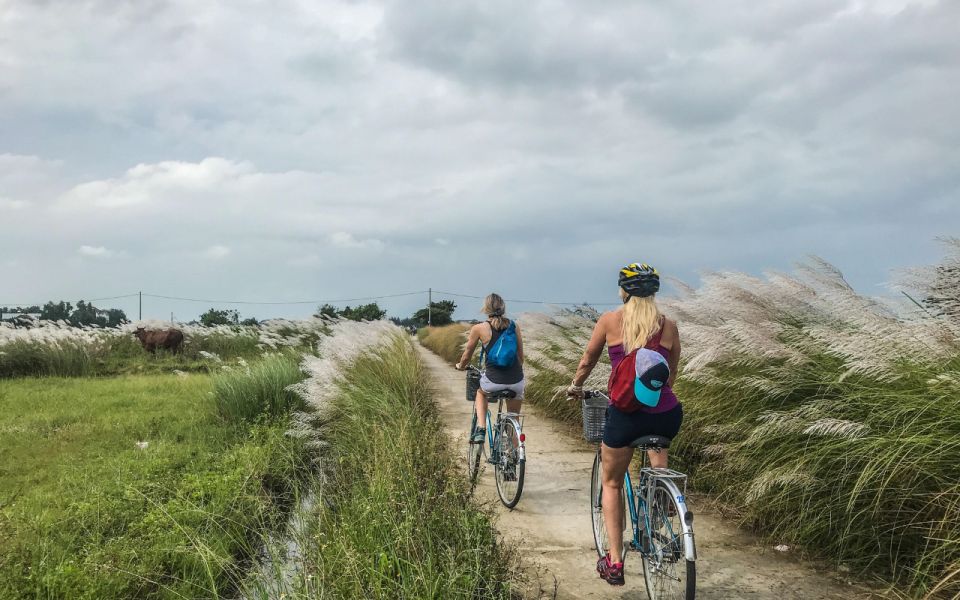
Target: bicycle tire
{"x":667,"y":574}
{"x":508,"y":454}
{"x":474,"y":454}
{"x":601,"y":541}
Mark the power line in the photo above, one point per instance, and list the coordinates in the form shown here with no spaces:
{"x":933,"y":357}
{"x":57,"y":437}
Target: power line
{"x":545,"y":302}
{"x":26,"y":304}
{"x":340,"y":301}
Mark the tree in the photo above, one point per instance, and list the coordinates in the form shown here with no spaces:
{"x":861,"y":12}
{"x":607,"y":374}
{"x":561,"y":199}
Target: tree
{"x":56,"y":312}
{"x":220,"y":317}
{"x":115,"y":317}
{"x":327,"y":310}
{"x":441,"y":313}
{"x":365,"y":312}
{"x":251,"y":322}
{"x":86,"y":314}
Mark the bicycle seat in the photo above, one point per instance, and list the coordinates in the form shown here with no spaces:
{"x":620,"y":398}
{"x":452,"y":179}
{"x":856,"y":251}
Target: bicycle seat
{"x":651,"y":442}
{"x":505,"y":394}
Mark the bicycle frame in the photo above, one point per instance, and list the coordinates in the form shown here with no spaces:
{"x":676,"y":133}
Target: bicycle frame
{"x":501,"y":415}
{"x":639,"y":503}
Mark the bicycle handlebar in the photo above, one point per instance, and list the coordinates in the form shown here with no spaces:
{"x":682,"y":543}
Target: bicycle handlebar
{"x":595,"y":394}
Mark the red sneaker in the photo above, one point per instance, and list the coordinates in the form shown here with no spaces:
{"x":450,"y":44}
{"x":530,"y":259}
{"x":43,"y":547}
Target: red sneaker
{"x":610,"y":572}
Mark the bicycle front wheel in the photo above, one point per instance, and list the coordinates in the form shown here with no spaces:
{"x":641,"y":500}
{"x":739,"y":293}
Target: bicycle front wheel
{"x":601,"y":539}
{"x":510,"y":465}
{"x":474,"y":454}
{"x":666,"y":571}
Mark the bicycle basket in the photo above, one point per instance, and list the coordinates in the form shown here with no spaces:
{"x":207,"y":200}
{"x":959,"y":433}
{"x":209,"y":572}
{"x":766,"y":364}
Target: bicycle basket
{"x":594,"y":418}
{"x":473,"y":384}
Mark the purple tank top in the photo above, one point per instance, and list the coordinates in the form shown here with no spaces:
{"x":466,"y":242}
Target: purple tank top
{"x":668,"y":400}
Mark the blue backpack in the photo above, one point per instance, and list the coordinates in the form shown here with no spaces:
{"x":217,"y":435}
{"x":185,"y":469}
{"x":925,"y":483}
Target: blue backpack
{"x":503,"y":351}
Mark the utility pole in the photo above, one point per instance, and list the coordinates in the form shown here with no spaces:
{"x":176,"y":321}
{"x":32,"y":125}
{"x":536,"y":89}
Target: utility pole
{"x":429,"y":306}
{"x":140,"y":294}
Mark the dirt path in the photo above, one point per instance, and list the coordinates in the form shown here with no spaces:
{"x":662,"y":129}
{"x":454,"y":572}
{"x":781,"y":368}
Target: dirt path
{"x":552,"y":525}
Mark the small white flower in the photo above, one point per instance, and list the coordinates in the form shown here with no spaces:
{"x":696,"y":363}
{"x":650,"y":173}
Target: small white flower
{"x":143,"y":445}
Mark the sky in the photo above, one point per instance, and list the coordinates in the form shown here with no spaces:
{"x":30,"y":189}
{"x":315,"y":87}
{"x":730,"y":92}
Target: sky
{"x":322,"y":150}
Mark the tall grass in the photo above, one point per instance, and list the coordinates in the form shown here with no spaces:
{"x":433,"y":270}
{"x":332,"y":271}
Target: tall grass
{"x":827,"y":419}
{"x":446,"y":341}
{"x":247,"y":392}
{"x":395,"y":518}
{"x":56,"y":349}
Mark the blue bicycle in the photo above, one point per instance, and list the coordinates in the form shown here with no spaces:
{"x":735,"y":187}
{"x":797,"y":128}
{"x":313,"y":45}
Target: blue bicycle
{"x":507,"y":452}
{"x":660,"y":523}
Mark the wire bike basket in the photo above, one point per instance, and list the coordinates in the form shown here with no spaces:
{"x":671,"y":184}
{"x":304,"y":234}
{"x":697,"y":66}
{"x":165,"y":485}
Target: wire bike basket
{"x":594,"y":416}
{"x":473,"y":383}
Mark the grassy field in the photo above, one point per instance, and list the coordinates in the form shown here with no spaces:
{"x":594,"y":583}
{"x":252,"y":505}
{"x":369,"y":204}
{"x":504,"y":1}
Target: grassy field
{"x":446,"y":341}
{"x":825,"y":420}
{"x":396,"y":519}
{"x":136,"y":486}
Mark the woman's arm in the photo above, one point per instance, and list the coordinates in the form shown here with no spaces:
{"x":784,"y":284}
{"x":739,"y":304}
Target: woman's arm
{"x":673,"y":358}
{"x":472,"y":340}
{"x":592,"y":353}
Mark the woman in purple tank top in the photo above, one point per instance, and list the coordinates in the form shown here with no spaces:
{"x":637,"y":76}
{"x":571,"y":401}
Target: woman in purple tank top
{"x":637,"y":324}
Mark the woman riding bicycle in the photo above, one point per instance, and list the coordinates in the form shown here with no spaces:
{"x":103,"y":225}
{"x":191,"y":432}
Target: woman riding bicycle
{"x":495,"y":378}
{"x":638,"y":324}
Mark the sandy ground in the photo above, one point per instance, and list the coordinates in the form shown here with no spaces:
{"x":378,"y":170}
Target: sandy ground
{"x":551,"y":524}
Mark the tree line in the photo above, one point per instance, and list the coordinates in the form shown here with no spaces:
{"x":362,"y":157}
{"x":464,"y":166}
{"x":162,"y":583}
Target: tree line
{"x":85,"y":314}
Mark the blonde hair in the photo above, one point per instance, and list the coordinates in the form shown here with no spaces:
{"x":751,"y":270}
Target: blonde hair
{"x":494,"y":307}
{"x":641,"y":320}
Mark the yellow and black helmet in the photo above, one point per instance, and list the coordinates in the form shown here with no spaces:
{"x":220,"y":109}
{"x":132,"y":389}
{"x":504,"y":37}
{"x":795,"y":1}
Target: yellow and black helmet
{"x":639,"y":279}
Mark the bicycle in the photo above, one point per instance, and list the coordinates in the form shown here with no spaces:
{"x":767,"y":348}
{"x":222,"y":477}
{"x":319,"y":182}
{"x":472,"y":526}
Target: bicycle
{"x":660,"y":523}
{"x":507,"y":452}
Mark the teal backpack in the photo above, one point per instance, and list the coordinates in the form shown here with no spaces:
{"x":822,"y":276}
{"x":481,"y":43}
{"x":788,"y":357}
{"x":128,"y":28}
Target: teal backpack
{"x":503,"y":351}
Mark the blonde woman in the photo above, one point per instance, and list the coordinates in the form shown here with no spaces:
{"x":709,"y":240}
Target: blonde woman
{"x":495,"y":378}
{"x":638,"y":324}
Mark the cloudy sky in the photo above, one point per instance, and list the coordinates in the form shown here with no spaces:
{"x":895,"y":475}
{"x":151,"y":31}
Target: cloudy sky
{"x":299,"y":150}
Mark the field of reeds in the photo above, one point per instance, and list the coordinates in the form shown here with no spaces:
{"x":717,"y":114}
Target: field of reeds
{"x":828,"y":421}
{"x":445,"y":341}
{"x":394,"y":517}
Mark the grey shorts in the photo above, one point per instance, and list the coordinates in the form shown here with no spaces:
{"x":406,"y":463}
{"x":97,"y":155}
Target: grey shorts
{"x":488,"y":386}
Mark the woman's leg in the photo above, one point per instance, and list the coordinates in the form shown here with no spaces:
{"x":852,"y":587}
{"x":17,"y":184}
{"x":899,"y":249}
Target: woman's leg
{"x":658,"y":458}
{"x":481,"y":406}
{"x":615,"y":462}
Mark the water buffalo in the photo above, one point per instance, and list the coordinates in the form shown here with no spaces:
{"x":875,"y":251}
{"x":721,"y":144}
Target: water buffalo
{"x":168,"y":339}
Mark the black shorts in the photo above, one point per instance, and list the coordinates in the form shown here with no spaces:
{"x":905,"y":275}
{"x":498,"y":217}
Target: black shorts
{"x":623,"y":428}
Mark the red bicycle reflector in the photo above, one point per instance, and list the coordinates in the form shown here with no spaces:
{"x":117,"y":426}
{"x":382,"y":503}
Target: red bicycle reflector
{"x":523,"y":437}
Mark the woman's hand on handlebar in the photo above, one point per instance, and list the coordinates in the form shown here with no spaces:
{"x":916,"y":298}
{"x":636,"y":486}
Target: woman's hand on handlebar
{"x":575,"y":392}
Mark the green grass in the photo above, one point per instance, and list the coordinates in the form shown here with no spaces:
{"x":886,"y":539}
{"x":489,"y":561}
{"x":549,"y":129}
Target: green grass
{"x":86,"y":513}
{"x":446,"y":341}
{"x":246,"y":393}
{"x":397,"y":519}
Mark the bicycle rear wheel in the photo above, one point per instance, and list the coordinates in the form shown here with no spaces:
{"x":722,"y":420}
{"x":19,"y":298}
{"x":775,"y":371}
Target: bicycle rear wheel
{"x":474,"y":453}
{"x":666,"y":571}
{"x":510,"y":467}
{"x":601,"y":540}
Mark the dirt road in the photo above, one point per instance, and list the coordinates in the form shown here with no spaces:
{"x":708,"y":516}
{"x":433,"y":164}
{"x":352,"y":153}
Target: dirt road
{"x":551,"y":523}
